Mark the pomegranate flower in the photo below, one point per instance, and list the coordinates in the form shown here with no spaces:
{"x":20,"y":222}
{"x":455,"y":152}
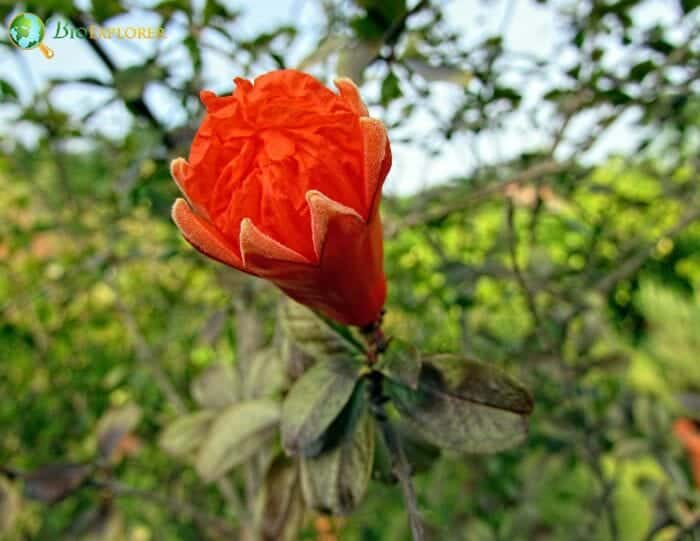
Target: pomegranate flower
{"x":283,"y":182}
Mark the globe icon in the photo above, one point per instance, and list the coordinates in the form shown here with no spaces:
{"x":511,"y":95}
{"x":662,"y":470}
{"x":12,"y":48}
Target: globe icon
{"x":27,"y":32}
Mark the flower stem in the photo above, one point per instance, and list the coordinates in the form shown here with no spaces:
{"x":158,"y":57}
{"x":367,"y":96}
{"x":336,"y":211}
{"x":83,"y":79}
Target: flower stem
{"x":377,"y":344}
{"x":399,"y":464}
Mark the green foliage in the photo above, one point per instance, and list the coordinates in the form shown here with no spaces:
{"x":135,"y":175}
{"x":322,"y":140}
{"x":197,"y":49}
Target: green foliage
{"x":401,"y":362}
{"x":183,"y":436}
{"x":281,"y":510}
{"x":133,"y":371}
{"x":464,"y":406}
{"x":315,"y":337}
{"x":51,"y":484}
{"x":420,"y":454}
{"x":336,"y":481}
{"x":216,"y":387}
{"x":238,"y":433}
{"x":674,"y":335}
{"x":314,"y":402}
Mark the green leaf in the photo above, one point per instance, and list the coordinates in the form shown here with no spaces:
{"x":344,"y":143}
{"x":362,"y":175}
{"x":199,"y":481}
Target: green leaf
{"x":401,"y":362}
{"x":464,"y":405}
{"x":388,"y":10}
{"x":660,"y":44}
{"x":314,"y":402}
{"x":214,"y":8}
{"x":131,"y":82}
{"x":639,"y":71}
{"x":296,"y":361}
{"x":391,"y":89}
{"x":169,"y":7}
{"x":184,"y":435}
{"x":506,"y":93}
{"x":9,"y":506}
{"x":336,"y":481}
{"x":314,"y":335}
{"x":216,"y":387}
{"x":689,"y":5}
{"x":54,"y":482}
{"x":280,"y":510}
{"x":367,"y":28}
{"x":265,"y":375}
{"x":236,"y":435}
{"x":616,"y":96}
{"x":344,"y":424}
{"x":106,"y":9}
{"x":7,"y":91}
{"x":194,"y":50}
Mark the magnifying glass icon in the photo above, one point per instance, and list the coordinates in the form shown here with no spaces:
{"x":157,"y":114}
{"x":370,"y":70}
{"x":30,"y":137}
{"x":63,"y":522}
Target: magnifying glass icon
{"x":27,"y":31}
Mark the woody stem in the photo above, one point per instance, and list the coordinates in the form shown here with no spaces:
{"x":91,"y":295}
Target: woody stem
{"x":399,"y":464}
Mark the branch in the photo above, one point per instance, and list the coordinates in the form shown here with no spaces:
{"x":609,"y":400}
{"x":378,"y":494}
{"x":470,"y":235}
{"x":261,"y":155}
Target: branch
{"x":146,"y":356}
{"x":399,"y":464}
{"x":177,"y":507}
{"x":517,"y":271}
{"x":457,"y":202}
{"x":138,"y":105}
{"x":394,"y":31}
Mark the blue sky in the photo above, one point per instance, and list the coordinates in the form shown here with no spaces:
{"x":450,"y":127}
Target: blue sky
{"x":531,"y":29}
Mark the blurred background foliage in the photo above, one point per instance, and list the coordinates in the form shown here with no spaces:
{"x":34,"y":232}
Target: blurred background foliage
{"x":578,"y":271}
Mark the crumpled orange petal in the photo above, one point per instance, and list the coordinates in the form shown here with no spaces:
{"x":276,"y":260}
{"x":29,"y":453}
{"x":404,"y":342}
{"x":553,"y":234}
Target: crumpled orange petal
{"x":204,"y":236}
{"x":261,"y":252}
{"x":375,"y":145}
{"x":284,"y":182}
{"x":349,"y":91}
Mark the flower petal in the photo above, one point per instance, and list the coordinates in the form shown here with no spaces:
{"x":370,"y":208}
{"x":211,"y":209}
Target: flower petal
{"x":203,"y":236}
{"x":350,"y":261}
{"x":179,"y":171}
{"x":322,"y":210}
{"x":377,"y":155}
{"x":350,"y":93}
{"x":261,"y":252}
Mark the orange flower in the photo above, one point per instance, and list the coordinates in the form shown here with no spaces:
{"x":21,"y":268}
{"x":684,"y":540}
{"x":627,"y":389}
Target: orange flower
{"x":283,"y":182}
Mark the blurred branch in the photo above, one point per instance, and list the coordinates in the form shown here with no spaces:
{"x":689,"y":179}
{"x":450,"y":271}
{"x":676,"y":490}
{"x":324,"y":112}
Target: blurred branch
{"x":460,"y":199}
{"x":517,"y":271}
{"x":396,"y":29}
{"x":147,"y":356}
{"x":138,"y":105}
{"x":607,"y":490}
{"x":399,"y":464}
{"x":177,"y":507}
